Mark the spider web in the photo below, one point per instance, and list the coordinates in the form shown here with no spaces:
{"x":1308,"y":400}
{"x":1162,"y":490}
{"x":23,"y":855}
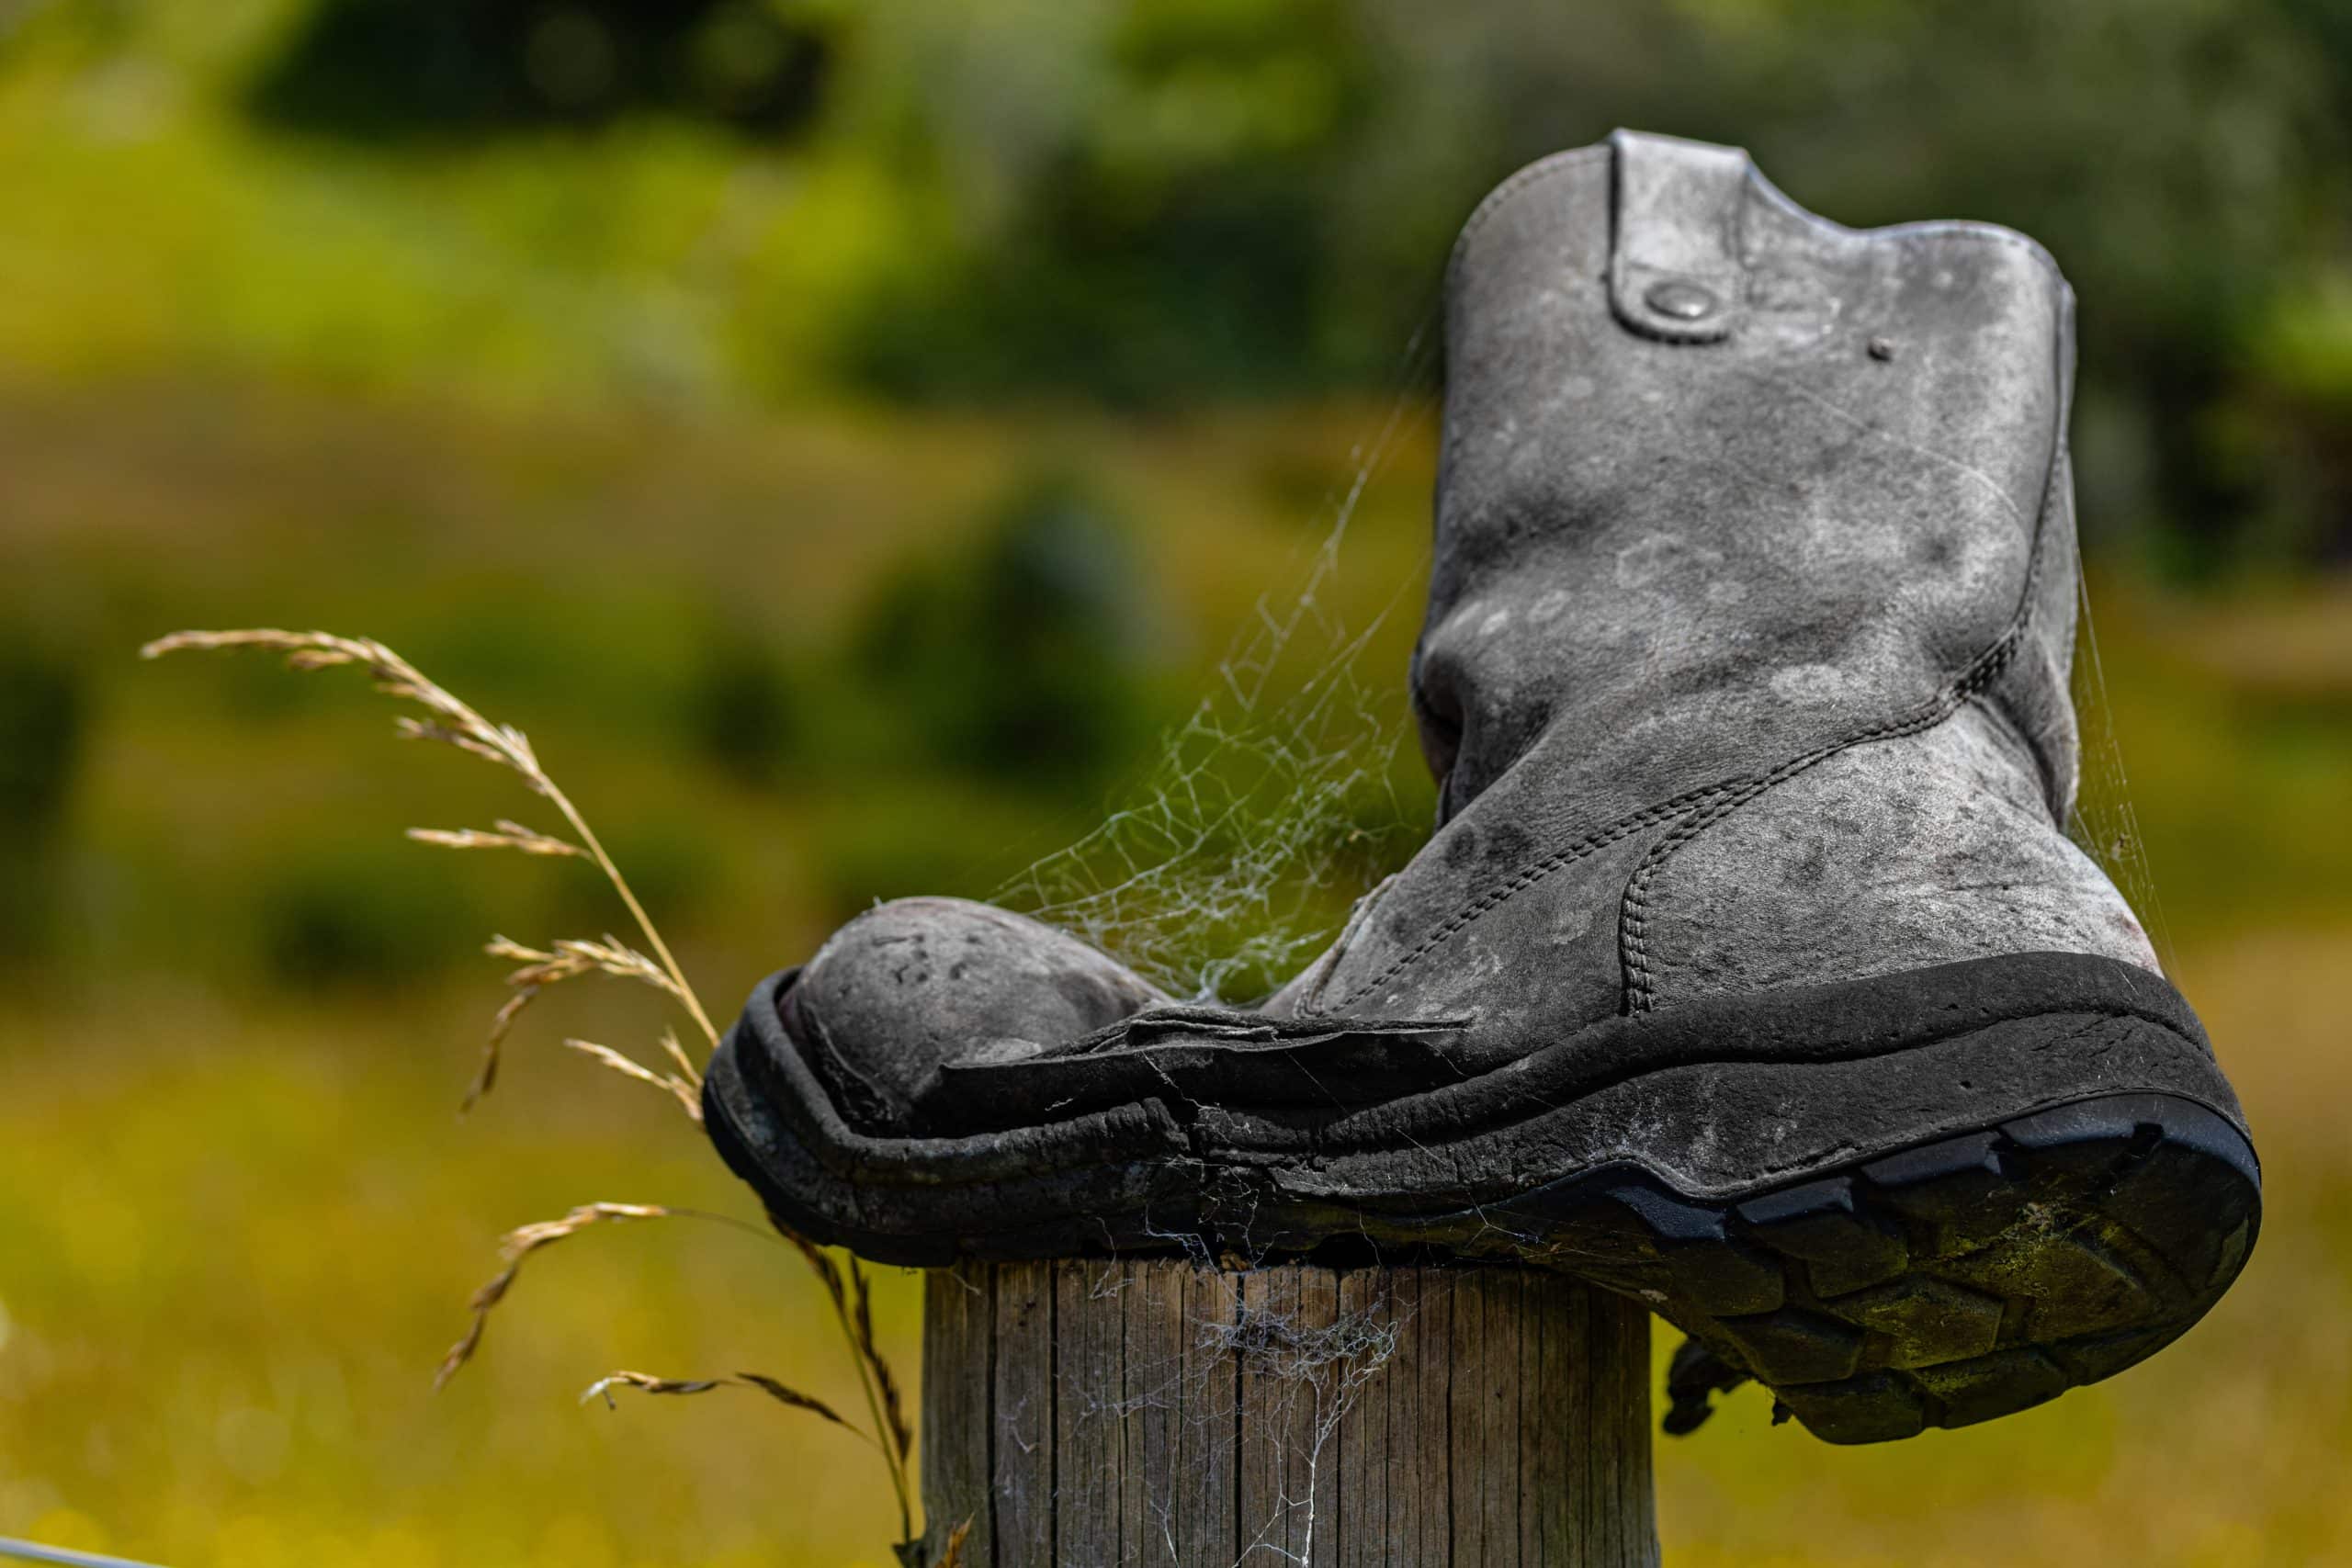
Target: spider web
{"x":2103,"y":821}
{"x":1257,"y":1388}
{"x":1225,"y":867}
{"x":1267,"y":806}
{"x":1303,"y":1372}
{"x":1205,"y":1411}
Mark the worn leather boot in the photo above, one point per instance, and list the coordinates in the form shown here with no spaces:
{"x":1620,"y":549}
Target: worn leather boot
{"x":1749,"y":971}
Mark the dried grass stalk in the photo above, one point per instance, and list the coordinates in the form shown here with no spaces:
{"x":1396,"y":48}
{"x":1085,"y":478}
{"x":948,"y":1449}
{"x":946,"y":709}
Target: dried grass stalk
{"x":686,"y":1069}
{"x":854,"y":1311}
{"x":519,"y":1244}
{"x":783,"y":1394}
{"x":505,"y":836}
{"x":450,"y":722}
{"x":569,"y":959}
{"x":572,"y":956}
{"x":894,"y":1412}
{"x":687,"y":1094}
{"x":453,"y":723}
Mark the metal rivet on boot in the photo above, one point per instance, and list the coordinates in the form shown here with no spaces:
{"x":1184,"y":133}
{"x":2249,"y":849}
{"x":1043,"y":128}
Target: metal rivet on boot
{"x":1682,"y":299}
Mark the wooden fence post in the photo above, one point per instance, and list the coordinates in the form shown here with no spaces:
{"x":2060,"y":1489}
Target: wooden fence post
{"x":1095,"y":1413}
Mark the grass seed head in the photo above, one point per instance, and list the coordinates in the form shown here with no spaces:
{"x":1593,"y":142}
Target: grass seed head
{"x":686,"y":1094}
{"x":448,"y":721}
{"x":505,"y":836}
{"x":648,"y":1383}
{"x":513,"y":1247}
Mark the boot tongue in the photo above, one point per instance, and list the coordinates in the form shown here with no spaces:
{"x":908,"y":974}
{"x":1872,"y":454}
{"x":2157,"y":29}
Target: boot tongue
{"x":1674,"y":268}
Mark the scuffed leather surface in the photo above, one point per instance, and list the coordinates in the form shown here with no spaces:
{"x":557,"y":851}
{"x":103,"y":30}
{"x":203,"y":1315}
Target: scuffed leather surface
{"x":1538,"y":943}
{"x":913,"y":985}
{"x":1928,"y":848}
{"x":1663,"y":568}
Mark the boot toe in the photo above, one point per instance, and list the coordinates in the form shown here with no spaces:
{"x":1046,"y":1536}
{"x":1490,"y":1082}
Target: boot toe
{"x":910,"y":986}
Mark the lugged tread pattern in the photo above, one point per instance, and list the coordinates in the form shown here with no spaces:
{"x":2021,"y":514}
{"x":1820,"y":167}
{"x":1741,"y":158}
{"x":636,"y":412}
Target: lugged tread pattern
{"x":1949,"y":1283}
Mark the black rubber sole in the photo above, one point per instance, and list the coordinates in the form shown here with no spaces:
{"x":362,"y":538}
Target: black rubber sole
{"x":1916,"y":1202}
{"x":1942,"y":1285}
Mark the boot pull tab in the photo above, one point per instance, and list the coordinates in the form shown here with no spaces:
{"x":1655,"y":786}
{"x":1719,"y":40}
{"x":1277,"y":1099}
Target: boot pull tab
{"x":1674,"y":272}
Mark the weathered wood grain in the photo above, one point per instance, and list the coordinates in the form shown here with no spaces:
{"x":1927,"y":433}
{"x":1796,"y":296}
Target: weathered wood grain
{"x":959,"y":1308}
{"x":1019,"y":1428}
{"x":1095,"y":1413}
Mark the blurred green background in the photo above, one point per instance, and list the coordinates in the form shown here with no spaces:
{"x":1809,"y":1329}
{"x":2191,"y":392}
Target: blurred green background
{"x":849,"y":437}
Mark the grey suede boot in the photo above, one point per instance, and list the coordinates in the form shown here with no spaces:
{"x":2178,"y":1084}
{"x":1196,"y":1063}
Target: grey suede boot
{"x":1749,"y":972}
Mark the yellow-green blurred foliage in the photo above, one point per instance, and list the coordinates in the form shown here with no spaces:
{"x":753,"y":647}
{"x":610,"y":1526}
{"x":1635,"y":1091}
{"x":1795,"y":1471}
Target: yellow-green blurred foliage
{"x":844,"y":468}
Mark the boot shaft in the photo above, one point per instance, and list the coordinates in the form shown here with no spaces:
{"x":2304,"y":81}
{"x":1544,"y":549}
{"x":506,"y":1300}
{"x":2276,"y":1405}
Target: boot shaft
{"x":1721,"y":479}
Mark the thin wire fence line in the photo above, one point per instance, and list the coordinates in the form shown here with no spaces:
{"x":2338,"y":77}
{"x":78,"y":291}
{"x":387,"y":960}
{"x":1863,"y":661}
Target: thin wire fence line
{"x":34,"y":1552}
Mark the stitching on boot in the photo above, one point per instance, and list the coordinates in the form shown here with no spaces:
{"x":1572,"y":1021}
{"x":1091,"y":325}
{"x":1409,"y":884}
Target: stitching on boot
{"x":1700,"y":807}
{"x":1528,"y":877}
{"x":1708,"y":805}
{"x":1633,"y":931}
{"x":1533,"y":175}
{"x":1632,"y":919}
{"x":1633,"y":928}
{"x":1697,"y":808}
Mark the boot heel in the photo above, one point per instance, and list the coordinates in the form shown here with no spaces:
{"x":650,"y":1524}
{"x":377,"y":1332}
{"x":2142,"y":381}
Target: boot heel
{"x":1974,"y":1276}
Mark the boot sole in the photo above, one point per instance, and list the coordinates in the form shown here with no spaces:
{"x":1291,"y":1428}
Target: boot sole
{"x":1945,"y":1284}
{"x":1925,"y":1200}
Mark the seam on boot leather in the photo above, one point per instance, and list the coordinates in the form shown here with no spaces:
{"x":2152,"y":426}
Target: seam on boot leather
{"x":1535,"y":871}
{"x":1632,"y":917}
{"x":1533,"y":175}
{"x":1641,"y":994}
{"x":1699,"y":808}
{"x":1709,"y":803}
{"x":1634,"y":914}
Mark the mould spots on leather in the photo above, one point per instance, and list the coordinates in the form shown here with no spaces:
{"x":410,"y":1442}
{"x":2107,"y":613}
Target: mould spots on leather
{"x":1094,"y":1000}
{"x":1661,"y":556}
{"x":1809,"y":682}
{"x":1461,"y":846}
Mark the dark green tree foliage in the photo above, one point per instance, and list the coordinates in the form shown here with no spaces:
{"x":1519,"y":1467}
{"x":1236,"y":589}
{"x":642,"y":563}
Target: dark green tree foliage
{"x":744,"y":713}
{"x":1167,"y":240}
{"x":1153,"y":202}
{"x":359,"y":916}
{"x":43,"y":716}
{"x":1018,"y":657}
{"x":453,"y":69}
{"x":1254,"y":195}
